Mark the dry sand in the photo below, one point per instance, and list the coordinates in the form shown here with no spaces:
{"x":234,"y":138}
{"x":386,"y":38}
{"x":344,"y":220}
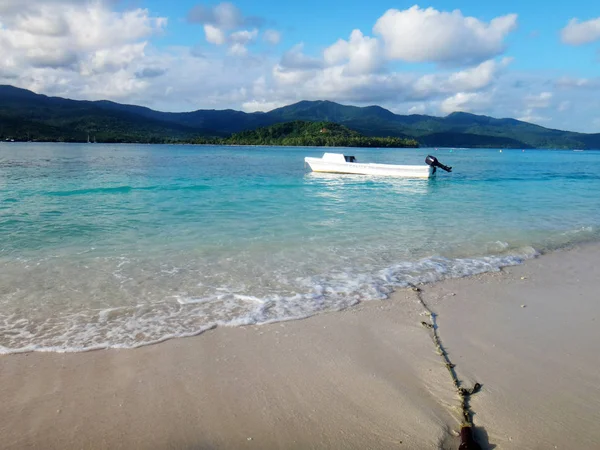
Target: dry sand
{"x":365,"y":378}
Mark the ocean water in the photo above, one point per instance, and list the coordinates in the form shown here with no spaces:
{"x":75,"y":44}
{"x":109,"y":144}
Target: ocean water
{"x":125,"y":245}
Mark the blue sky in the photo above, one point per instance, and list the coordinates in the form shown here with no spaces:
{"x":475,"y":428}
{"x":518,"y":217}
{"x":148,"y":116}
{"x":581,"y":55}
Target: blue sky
{"x":535,"y":45}
{"x":536,"y":61}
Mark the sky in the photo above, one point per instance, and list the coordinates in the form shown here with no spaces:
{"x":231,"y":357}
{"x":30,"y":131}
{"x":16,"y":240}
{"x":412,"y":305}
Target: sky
{"x":537,"y":61}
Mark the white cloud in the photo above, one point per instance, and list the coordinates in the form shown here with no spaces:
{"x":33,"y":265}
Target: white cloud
{"x":477,"y":77}
{"x":360,"y":53}
{"x":239,"y":40}
{"x":224,"y":15}
{"x":578,"y":83}
{"x":417,"y":109}
{"x":237,"y":49}
{"x":284,"y":76}
{"x":539,"y":101}
{"x":11,"y":9}
{"x":261,"y":105}
{"x":429,"y":35}
{"x":533,"y":103}
{"x":466,"y":102}
{"x":65,"y":35}
{"x":468,"y":80}
{"x":314,"y":81}
{"x":113,"y":60}
{"x":578,"y":33}
{"x":41,"y":26}
{"x":296,"y":59}
{"x":74,"y":47}
{"x":221,"y":20}
{"x":530,"y":116}
{"x":214,"y":35}
{"x":243,"y":37}
{"x":273,"y":37}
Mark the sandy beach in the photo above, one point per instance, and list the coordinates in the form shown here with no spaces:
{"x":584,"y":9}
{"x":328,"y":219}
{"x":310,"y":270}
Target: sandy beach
{"x":368,"y":377}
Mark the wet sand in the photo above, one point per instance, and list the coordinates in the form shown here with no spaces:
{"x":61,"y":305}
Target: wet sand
{"x":366,"y":378}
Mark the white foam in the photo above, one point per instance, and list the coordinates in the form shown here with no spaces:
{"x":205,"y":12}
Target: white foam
{"x":144,"y":323}
{"x":182,"y":300}
{"x":249,"y":298}
{"x":578,"y":231}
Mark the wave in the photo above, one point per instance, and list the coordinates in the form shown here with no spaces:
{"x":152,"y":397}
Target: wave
{"x":181,"y":316}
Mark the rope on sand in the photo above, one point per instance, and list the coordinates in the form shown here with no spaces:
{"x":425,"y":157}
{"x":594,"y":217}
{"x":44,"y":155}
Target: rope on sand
{"x":467,"y":442}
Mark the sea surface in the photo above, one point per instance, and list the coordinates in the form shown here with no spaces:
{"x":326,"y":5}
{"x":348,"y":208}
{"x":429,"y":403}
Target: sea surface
{"x":125,"y":245}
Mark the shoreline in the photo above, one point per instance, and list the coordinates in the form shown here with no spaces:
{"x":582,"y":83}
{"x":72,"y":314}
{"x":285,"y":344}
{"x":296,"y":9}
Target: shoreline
{"x":365,"y":377}
{"x":485,"y":263}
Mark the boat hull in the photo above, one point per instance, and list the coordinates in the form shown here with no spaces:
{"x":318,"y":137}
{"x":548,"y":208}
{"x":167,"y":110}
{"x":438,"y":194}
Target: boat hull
{"x":318,"y":165}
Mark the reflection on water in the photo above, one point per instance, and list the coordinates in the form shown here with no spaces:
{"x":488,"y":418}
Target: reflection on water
{"x":338,"y":183}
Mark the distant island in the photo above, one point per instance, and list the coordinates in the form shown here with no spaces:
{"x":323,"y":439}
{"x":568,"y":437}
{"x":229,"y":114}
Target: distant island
{"x":26,"y":116}
{"x":303,"y":133}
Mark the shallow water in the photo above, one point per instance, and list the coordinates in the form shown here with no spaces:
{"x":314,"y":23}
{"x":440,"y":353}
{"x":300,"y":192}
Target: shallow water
{"x":124,"y":245}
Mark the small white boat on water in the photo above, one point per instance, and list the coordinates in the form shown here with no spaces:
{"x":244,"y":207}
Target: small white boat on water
{"x":339,"y":163}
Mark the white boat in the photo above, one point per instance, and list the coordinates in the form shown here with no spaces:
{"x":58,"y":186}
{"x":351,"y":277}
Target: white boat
{"x":340,"y":163}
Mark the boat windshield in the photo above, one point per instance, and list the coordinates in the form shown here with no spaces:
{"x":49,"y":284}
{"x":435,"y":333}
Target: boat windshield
{"x":350,"y":158}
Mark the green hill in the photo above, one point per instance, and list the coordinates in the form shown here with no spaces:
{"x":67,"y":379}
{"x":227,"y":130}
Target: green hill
{"x":302,"y":133}
{"x":25,"y":115}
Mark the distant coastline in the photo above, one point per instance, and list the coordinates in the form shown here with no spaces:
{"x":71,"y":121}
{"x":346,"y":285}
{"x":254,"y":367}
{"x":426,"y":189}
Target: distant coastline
{"x":27,"y":116}
{"x":209,"y":144}
{"x":292,"y":134}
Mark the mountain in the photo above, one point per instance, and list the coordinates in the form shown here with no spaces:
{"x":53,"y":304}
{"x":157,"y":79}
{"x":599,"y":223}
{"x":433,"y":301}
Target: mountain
{"x":25,"y":115}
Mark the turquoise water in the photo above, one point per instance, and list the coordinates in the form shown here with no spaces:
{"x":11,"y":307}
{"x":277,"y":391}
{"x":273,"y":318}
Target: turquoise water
{"x":124,"y":245}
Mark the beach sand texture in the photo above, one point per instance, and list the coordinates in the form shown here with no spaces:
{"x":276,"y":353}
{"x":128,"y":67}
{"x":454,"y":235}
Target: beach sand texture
{"x":367,"y":378}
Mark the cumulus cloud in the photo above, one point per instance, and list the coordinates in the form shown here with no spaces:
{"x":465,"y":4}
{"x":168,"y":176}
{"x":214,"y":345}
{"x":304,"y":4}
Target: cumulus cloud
{"x":469,"y":80}
{"x":579,"y":33}
{"x":535,"y":102}
{"x":477,"y":77}
{"x":296,"y":59}
{"x":214,"y":35}
{"x":61,"y":43}
{"x":113,"y":59}
{"x":314,"y":79}
{"x":63,"y":34}
{"x":429,"y":35}
{"x":225,"y":24}
{"x":12,"y":8}
{"x":466,"y":102}
{"x":360,"y":53}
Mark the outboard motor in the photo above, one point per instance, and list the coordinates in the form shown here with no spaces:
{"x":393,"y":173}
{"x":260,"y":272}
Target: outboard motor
{"x":433,"y":162}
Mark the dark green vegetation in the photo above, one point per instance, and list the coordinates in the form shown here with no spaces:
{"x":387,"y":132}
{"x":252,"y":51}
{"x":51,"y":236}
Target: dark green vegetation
{"x":28,"y":116}
{"x":303,"y":133}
